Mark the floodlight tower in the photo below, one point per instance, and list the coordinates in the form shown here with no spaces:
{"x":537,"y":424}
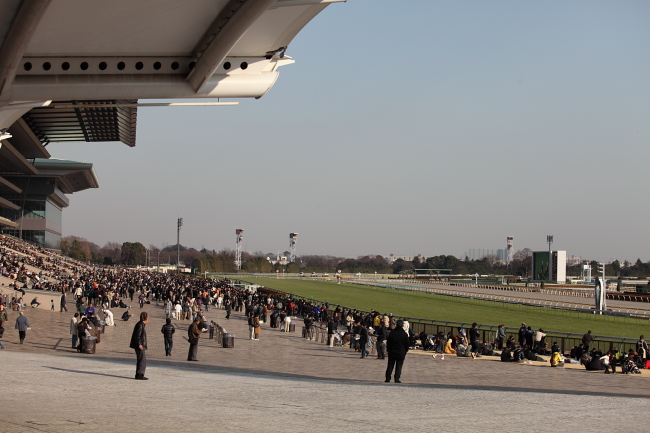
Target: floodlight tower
{"x":549,"y":239}
{"x":292,"y":246}
{"x":179,"y":224}
{"x":240,"y":238}
{"x":509,"y":250}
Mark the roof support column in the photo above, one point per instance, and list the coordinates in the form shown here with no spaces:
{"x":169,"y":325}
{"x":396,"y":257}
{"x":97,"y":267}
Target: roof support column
{"x":223,"y":34}
{"x":20,"y":33}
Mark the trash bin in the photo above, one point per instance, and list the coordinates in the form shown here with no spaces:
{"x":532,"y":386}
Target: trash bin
{"x":292,"y":327}
{"x":211,"y":332}
{"x":228,"y":341}
{"x":98,"y":335}
{"x":102,"y":326}
{"x":88,"y":344}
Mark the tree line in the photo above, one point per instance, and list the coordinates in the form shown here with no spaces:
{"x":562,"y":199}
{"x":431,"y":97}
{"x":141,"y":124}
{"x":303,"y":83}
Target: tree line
{"x":135,"y":253}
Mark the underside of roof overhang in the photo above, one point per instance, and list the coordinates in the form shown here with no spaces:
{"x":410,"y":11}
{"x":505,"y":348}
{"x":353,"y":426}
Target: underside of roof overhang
{"x":80,"y":52}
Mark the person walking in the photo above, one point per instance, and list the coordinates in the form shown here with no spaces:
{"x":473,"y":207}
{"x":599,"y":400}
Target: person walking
{"x":139,"y":344}
{"x":168,"y":332}
{"x":193,"y":335}
{"x":397,"y":345}
{"x":257,"y":328}
{"x":22,"y":325}
{"x":73,"y":329}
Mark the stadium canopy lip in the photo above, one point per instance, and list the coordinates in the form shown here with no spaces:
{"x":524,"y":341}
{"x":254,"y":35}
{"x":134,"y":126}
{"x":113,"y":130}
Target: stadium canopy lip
{"x":79,"y":49}
{"x":73,"y":176}
{"x":111,"y":52}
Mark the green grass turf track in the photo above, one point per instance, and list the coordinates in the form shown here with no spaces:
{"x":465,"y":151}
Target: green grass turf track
{"x":444,"y":308}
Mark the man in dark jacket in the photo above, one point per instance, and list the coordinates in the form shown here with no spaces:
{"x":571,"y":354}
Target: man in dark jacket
{"x":228,"y":308}
{"x":168,"y":331}
{"x":474,"y":335}
{"x":381,"y":336}
{"x":397,"y":345}
{"x":139,"y":344}
{"x":331,"y":331}
{"x":363,"y":339}
{"x":193,"y":335}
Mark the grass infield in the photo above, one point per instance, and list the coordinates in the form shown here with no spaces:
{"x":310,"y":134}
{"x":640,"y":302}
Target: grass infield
{"x":438,"y":307}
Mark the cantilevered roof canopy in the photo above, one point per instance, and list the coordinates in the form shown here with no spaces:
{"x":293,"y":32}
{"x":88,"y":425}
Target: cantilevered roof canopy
{"x":84,"y":51}
{"x":72,"y":176}
{"x":90,"y":50}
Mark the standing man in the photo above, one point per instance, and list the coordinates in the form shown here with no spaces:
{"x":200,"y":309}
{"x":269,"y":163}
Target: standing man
{"x":397,"y":345}
{"x":3,"y":319}
{"x":586,"y":340}
{"x":474,"y":335}
{"x":73,"y":329}
{"x":363,"y":339}
{"x":193,"y":335}
{"x":22,"y":325}
{"x":139,"y":344}
{"x":228,"y":308}
{"x":331,"y":331}
{"x":501,"y":336}
{"x":64,"y":302}
{"x":168,"y":332}
{"x":381,"y":338}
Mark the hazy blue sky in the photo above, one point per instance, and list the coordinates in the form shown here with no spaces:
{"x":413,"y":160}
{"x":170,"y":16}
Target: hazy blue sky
{"x":405,"y":127}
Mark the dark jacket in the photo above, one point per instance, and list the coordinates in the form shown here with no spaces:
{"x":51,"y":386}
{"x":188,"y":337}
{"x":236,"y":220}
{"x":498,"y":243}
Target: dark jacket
{"x":168,"y":330}
{"x":474,"y":334}
{"x":139,"y":337}
{"x":381,"y":333}
{"x":397,"y":343}
{"x":363,"y":335}
{"x":194,"y":332}
{"x":331,"y":327}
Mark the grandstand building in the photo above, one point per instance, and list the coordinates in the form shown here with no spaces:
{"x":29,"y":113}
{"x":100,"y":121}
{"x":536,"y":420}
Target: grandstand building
{"x":76,"y":70}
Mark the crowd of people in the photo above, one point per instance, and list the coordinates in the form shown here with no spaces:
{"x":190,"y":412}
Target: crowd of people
{"x":98,"y":291}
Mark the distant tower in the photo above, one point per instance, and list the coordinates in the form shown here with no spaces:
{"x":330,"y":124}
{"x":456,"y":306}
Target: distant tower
{"x":509,"y":250}
{"x":240,"y":238}
{"x":292,"y":246}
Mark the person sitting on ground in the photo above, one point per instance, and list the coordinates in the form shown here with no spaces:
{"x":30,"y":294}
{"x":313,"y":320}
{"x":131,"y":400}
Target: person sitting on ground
{"x":557,"y":360}
{"x":108,"y":318}
{"x":127,"y":315}
{"x":122,"y":304}
{"x":448,"y":348}
{"x":510,"y":343}
{"x":593,"y":363}
{"x":518,"y":355}
{"x":35,"y":302}
{"x":506,"y":355}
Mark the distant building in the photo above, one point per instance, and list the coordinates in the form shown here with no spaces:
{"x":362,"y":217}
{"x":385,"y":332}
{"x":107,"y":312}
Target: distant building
{"x":393,"y":258}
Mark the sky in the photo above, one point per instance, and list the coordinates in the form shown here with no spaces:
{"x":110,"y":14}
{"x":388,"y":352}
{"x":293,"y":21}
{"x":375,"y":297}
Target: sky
{"x":419,"y":127}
